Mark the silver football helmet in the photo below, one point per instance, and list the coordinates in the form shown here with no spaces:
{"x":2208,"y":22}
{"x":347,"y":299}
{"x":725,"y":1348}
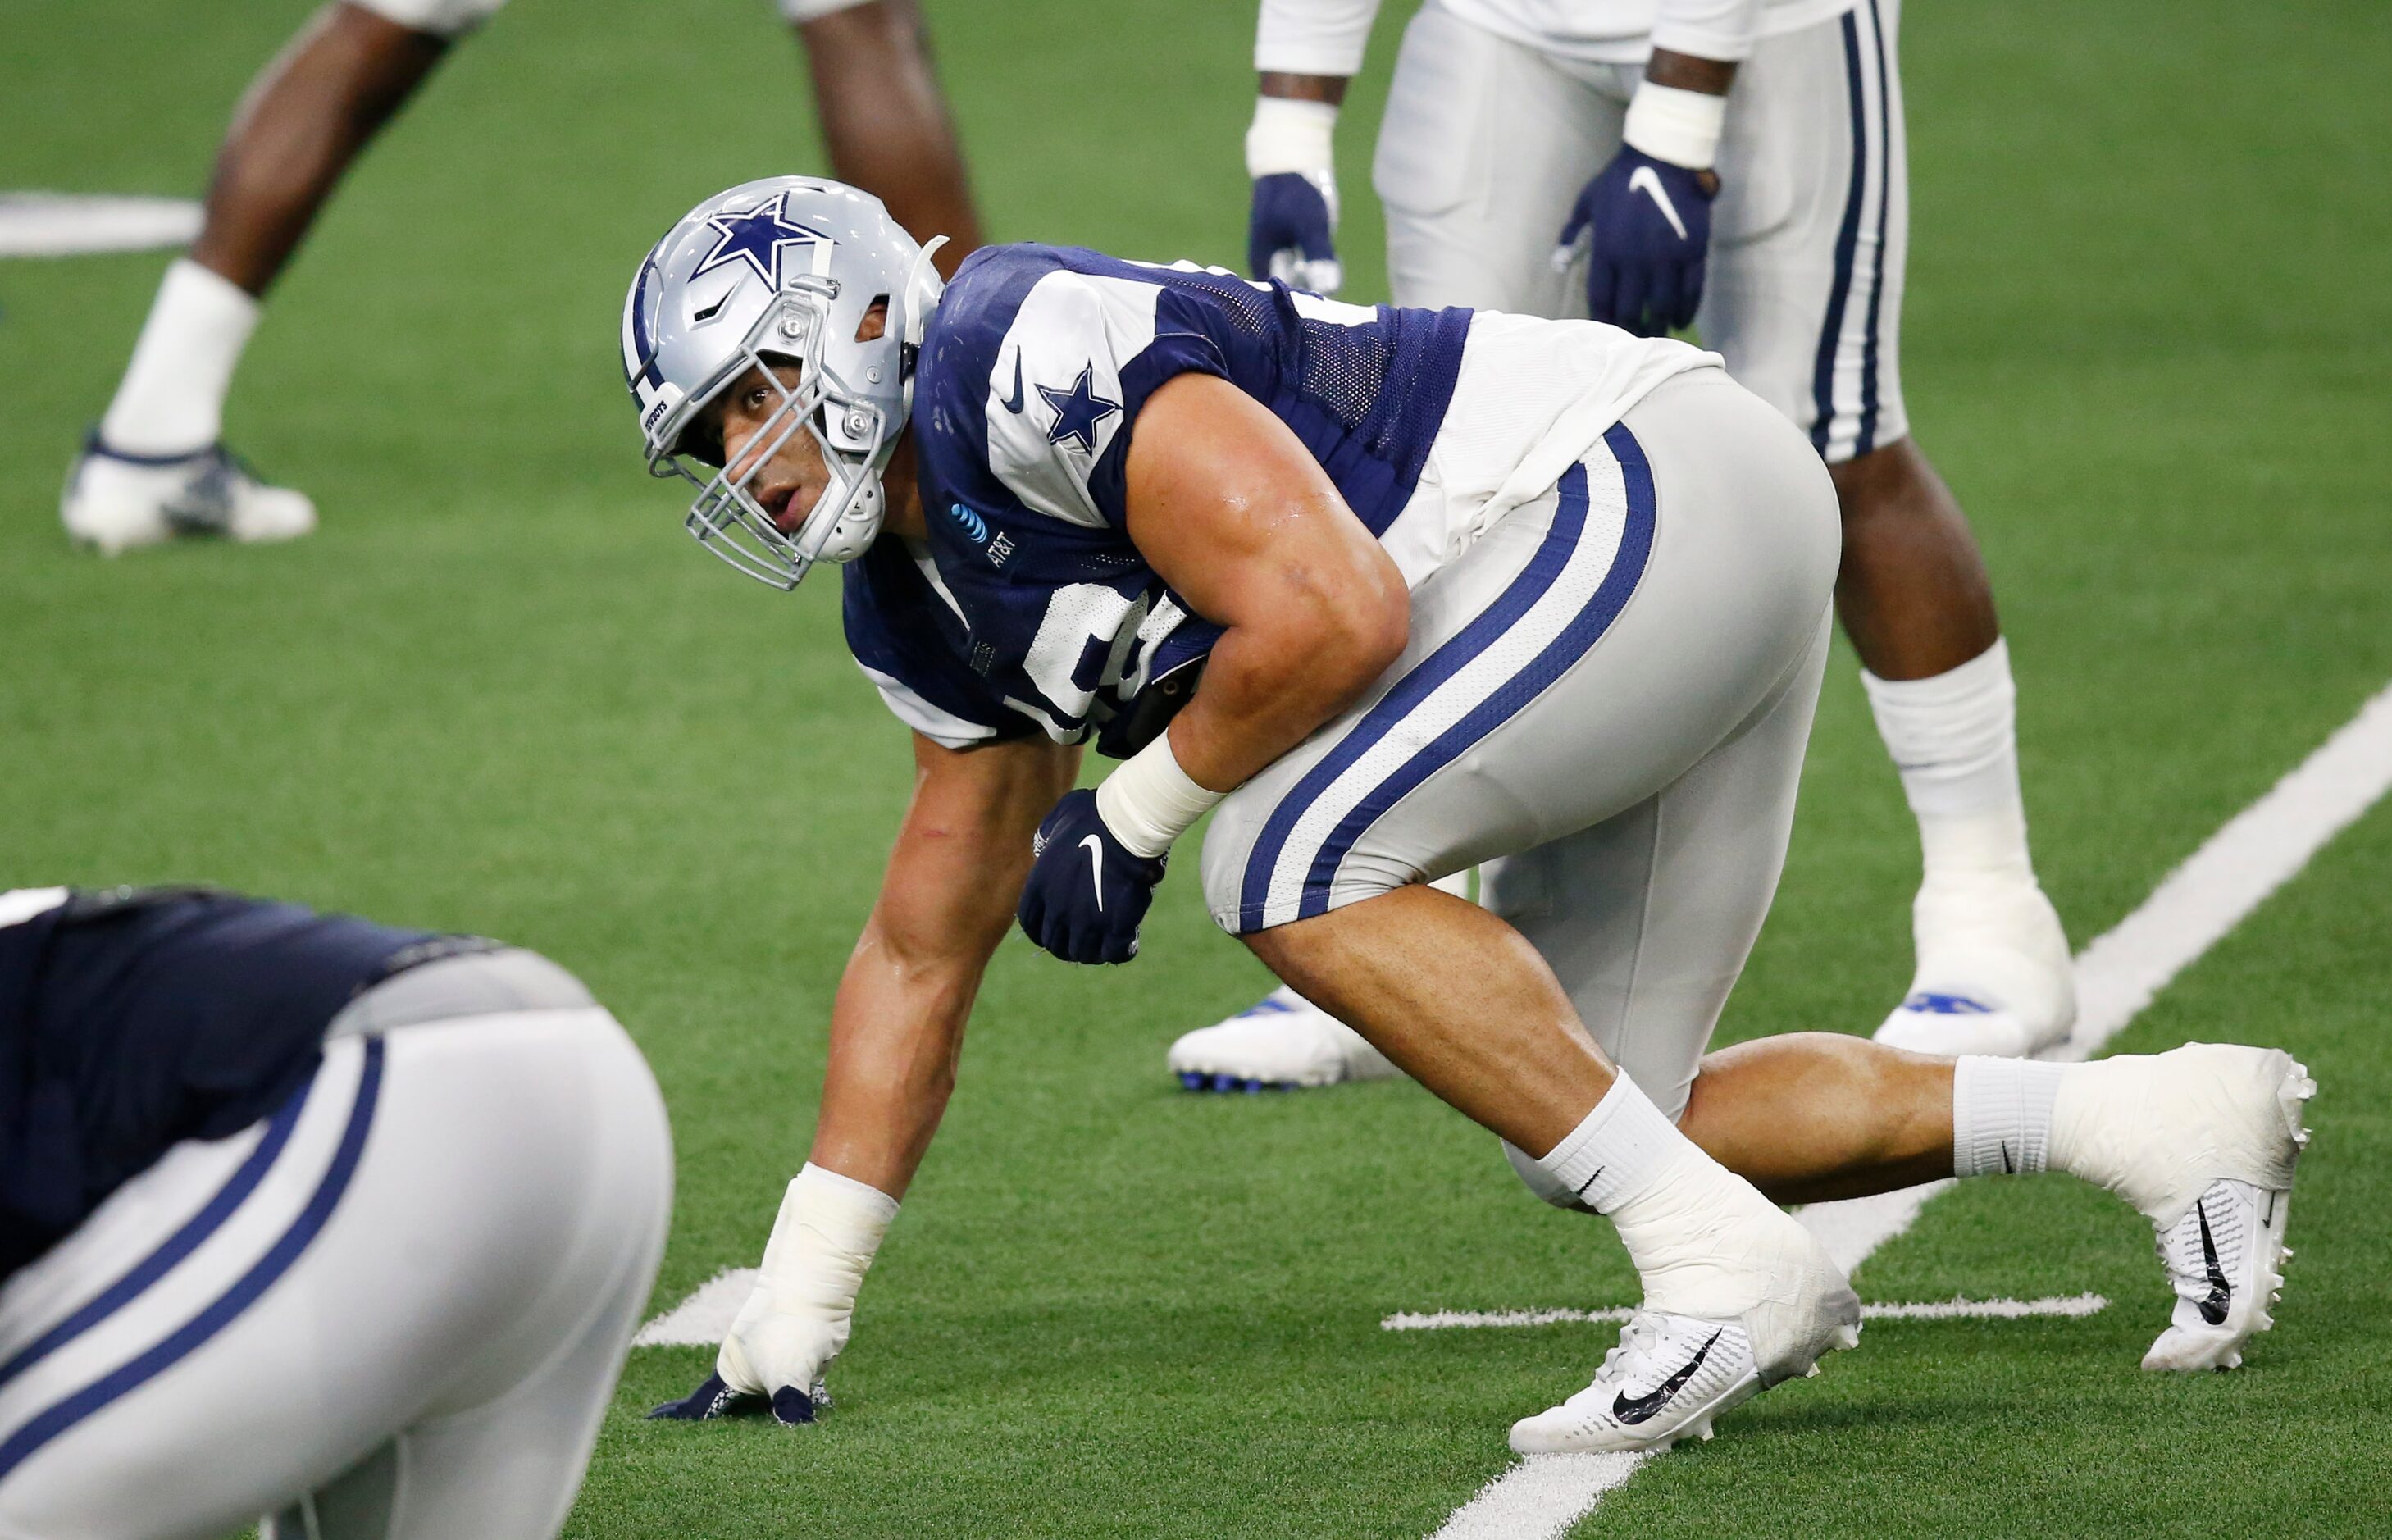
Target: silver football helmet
{"x":779,"y":271}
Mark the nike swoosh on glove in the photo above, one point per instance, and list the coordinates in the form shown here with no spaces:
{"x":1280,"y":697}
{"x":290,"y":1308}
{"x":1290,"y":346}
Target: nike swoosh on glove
{"x":1292,"y":232}
{"x":1649,"y":224}
{"x":1087,"y":893}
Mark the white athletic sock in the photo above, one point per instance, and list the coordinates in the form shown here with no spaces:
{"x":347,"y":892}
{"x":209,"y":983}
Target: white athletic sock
{"x":2002,"y":1115}
{"x":1953,"y":738}
{"x":172,"y":399}
{"x":1671,"y":1202}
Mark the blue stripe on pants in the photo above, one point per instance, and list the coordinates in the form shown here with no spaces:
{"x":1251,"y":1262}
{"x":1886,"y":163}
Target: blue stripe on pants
{"x":227,"y":1307}
{"x":1535,"y":579}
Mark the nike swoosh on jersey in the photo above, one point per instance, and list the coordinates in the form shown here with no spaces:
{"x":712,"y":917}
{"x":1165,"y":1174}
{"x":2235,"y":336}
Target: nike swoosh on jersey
{"x":1635,"y":1409}
{"x":1095,"y":846}
{"x":1013,"y":403}
{"x":1646,"y":181}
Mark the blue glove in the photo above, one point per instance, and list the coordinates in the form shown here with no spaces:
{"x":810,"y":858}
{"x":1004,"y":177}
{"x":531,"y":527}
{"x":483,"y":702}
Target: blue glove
{"x":1292,"y":234}
{"x":1651,"y":225}
{"x":1087,"y":893}
{"x":713,"y":1399}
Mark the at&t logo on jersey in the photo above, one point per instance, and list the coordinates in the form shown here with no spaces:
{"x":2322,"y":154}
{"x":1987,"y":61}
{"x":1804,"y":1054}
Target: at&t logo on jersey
{"x":971,"y":523}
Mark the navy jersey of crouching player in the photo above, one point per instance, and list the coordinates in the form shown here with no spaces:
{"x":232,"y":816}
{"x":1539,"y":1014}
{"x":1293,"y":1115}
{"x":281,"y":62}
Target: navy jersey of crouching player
{"x":1033,"y":610}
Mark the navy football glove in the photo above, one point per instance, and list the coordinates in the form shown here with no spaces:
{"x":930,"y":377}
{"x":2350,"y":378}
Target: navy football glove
{"x":1292,"y":234}
{"x":714,"y":1399}
{"x":1651,"y":225}
{"x":1087,"y":893}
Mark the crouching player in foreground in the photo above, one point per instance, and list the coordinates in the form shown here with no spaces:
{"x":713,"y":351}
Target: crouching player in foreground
{"x":1460,"y":587}
{"x":305,"y":1217}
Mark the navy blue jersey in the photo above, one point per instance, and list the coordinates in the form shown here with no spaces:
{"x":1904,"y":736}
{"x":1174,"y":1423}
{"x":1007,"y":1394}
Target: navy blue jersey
{"x":1029,"y":608}
{"x":131,"y":1022}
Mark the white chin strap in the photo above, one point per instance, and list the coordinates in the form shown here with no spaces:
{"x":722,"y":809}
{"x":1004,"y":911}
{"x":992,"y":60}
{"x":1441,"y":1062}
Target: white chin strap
{"x":856,"y":528}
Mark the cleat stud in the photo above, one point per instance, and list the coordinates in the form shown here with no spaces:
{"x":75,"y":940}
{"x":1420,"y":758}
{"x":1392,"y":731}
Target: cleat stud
{"x":1191,"y":1079}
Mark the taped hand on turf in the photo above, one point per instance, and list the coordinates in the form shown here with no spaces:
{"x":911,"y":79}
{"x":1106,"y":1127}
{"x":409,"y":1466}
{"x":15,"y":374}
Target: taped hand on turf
{"x":1087,"y":893}
{"x":1648,"y":227}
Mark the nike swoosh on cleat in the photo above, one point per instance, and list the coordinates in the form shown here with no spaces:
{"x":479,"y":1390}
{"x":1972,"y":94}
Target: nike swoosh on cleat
{"x":1096,"y":849}
{"x":2221,"y":1293}
{"x":1635,"y":1409}
{"x":1646,"y":181}
{"x":1013,"y":403}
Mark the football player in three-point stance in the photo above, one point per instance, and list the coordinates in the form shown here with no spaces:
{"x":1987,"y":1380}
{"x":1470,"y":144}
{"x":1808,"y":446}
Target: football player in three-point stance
{"x":1738,"y":166}
{"x":308,"y":1217}
{"x":155,"y":468}
{"x":1388,"y":593}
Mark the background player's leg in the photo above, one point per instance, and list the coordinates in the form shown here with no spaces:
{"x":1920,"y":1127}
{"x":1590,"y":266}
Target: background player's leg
{"x":884,"y":117}
{"x":154,"y":467}
{"x":1809,"y":237}
{"x":1484,"y":145}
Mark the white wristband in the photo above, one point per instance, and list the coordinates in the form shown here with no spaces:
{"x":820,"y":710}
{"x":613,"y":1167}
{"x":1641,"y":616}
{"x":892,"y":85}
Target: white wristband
{"x":1289,"y":135}
{"x":828,"y":1229}
{"x":1151,"y":802}
{"x":1681,"y":128}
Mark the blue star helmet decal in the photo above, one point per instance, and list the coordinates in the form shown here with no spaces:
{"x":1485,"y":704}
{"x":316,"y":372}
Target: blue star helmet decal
{"x":755,"y":237}
{"x":1079,"y":412}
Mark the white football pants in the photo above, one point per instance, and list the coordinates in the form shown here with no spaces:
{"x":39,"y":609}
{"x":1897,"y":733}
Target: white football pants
{"x":1605,"y":700}
{"x":1485,"y":143}
{"x":395,"y":1309}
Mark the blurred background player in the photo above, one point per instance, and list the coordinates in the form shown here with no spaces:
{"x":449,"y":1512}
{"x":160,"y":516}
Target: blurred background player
{"x":1737,"y":165}
{"x":156,"y":468}
{"x":307,"y":1217}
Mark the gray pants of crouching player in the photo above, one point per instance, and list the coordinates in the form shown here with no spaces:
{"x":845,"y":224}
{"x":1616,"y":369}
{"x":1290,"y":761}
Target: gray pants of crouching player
{"x":1485,"y":143}
{"x":1606,"y":700}
{"x":395,"y":1309}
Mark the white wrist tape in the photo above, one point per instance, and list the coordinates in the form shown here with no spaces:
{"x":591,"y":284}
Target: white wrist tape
{"x":822,"y":1242}
{"x":1681,"y":128}
{"x":1151,"y":802}
{"x":1288,"y":134}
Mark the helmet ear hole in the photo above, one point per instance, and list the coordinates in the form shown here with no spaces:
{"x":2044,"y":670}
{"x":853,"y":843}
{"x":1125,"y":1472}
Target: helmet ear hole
{"x":874,"y":323}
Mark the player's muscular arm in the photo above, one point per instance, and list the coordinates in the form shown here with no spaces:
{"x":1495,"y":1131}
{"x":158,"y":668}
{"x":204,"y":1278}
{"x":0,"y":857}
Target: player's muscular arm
{"x":1238,"y":518}
{"x":897,"y":1025}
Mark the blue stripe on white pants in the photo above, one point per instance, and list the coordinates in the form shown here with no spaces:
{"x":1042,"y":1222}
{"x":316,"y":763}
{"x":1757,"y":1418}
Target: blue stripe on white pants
{"x":1558,"y":605}
{"x":1844,"y":385}
{"x":226,"y":1306}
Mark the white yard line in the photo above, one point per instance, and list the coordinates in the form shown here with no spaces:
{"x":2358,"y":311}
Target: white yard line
{"x":69,"y":224}
{"x":1932,"y":1309}
{"x":703,"y":1319}
{"x":2123,"y":971}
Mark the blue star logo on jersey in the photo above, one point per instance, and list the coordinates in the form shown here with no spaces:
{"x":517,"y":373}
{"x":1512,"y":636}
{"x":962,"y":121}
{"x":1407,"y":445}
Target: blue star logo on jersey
{"x":755,"y":237}
{"x":1079,"y":412}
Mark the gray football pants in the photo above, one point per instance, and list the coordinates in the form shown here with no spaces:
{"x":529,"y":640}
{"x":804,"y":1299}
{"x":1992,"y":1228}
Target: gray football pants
{"x":1485,"y":143}
{"x":1606,"y":700}
{"x":395,"y":1309}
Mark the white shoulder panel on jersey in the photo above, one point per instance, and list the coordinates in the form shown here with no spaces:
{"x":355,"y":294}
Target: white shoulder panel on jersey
{"x":18,"y":905}
{"x":943,"y":728}
{"x":1055,"y":396}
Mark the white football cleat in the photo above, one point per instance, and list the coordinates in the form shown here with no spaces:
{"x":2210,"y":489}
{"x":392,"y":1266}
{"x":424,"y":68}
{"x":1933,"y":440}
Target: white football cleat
{"x":116,"y":502}
{"x":1672,"y":1374}
{"x":1282,"y":1040}
{"x":2203,"y":1139}
{"x":1995,"y":975}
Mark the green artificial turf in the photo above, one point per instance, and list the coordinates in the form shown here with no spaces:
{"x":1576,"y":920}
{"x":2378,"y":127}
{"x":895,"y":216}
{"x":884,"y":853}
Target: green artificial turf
{"x":497,"y":692}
